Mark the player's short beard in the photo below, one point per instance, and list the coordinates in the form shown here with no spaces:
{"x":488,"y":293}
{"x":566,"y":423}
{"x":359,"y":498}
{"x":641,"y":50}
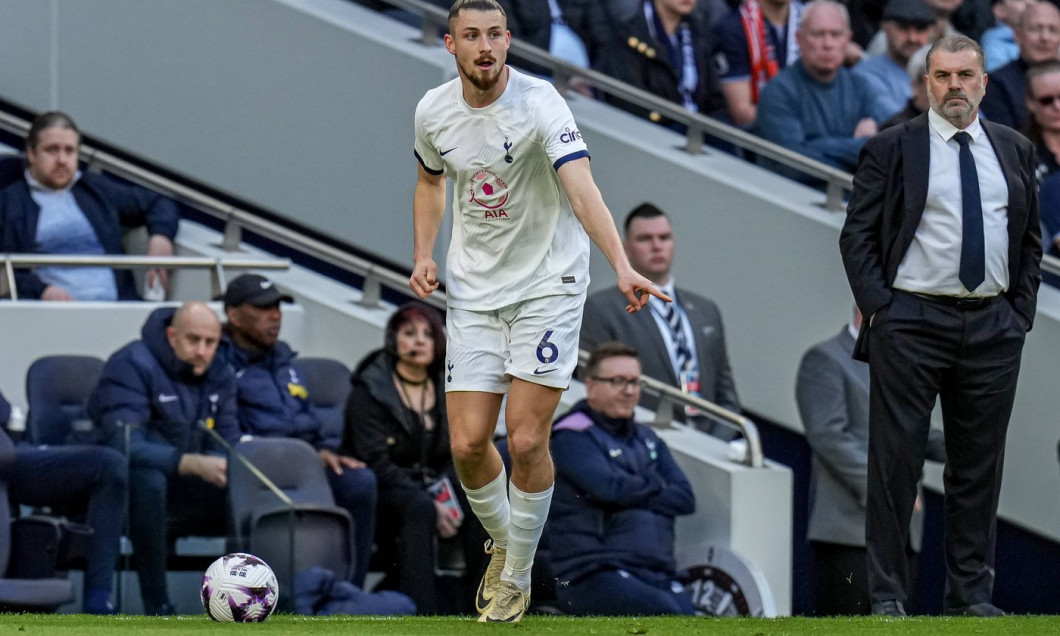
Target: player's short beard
{"x":483,"y":81}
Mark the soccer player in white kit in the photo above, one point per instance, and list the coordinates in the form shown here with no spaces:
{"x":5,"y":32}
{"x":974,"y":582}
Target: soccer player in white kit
{"x":524,"y":208}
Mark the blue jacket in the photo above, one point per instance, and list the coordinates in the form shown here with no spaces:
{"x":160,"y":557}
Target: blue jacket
{"x":145,"y":387}
{"x":273,"y":401}
{"x":617,"y":493}
{"x":111,"y":208}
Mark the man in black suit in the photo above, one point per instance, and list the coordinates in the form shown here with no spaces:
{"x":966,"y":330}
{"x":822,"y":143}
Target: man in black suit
{"x":942,"y":250}
{"x":699,"y":363}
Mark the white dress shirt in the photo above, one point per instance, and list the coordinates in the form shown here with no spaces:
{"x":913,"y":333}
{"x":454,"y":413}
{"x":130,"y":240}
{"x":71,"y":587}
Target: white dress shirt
{"x":931,"y":264}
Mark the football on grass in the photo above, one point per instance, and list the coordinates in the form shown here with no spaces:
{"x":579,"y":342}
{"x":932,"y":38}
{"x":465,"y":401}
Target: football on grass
{"x":239,"y":588}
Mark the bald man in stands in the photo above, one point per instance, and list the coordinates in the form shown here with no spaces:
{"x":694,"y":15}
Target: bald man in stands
{"x":166,"y":388}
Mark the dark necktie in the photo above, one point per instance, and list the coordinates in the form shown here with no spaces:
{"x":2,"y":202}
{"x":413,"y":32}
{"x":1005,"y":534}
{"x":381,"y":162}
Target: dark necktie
{"x":677,"y":330}
{"x":973,"y":260}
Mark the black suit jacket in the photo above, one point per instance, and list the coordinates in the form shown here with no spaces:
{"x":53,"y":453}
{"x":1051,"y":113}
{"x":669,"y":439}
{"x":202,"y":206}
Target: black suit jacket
{"x":890,"y":190}
{"x":605,"y":319}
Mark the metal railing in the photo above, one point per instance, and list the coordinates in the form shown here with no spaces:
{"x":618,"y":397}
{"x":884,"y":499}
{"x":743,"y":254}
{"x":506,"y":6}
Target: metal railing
{"x":374,"y":275}
{"x":838,"y":182}
{"x":216,"y":265}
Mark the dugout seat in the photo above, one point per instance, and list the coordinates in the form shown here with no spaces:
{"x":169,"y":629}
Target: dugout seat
{"x":57,"y":390}
{"x":328,"y":383}
{"x":309,"y":530}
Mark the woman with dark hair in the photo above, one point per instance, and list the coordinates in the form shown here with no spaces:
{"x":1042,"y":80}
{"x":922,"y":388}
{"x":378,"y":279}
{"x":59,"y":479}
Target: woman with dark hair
{"x":396,"y":422}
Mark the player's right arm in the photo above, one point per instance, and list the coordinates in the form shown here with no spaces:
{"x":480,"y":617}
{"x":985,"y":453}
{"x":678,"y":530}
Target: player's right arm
{"x":428,"y":209}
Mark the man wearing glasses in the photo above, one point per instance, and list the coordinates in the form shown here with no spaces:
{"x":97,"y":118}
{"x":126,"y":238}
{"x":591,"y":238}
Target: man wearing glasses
{"x":617,"y":492}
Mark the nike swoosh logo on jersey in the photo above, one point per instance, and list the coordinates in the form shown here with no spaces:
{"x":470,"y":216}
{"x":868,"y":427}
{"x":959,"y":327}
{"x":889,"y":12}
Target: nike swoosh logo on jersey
{"x":162,"y":397}
{"x":442,"y":154}
{"x":540,"y":371}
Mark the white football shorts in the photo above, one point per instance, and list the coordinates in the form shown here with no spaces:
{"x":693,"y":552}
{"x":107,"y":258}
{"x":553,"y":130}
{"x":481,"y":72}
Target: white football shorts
{"x":534,"y":340}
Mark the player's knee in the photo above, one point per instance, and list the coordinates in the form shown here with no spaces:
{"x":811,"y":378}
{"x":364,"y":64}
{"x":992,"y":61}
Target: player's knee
{"x":469,"y":450}
{"x":526,"y":445}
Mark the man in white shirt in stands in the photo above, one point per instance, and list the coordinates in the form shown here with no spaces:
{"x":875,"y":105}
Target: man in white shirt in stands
{"x":525,"y":209}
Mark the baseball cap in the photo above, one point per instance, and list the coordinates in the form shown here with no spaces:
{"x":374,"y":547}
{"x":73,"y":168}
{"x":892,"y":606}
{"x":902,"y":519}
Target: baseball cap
{"x":254,"y":289}
{"x":909,"y":11}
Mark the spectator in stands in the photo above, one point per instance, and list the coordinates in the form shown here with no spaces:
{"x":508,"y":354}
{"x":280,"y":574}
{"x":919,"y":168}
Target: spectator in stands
{"x":908,"y":26}
{"x":1038,"y":34}
{"x":273,"y":402}
{"x":665,"y":50}
{"x":815,"y":106}
{"x":746,"y":65}
{"x":918,"y":103}
{"x":396,"y":420}
{"x":685,"y":349}
{"x":618,"y":490}
{"x":999,"y":41}
{"x":944,"y":11}
{"x":832,"y":391}
{"x":57,"y":209}
{"x":1043,"y":129}
{"x":156,"y":397}
{"x":89,"y":480}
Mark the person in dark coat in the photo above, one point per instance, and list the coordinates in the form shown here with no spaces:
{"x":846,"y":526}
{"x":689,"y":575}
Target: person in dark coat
{"x":273,"y":401}
{"x":618,"y":491}
{"x":57,"y":209}
{"x":155,"y":398}
{"x":396,"y":422}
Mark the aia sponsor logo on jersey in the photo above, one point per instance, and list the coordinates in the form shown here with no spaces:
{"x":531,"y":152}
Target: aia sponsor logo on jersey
{"x":490,"y":192}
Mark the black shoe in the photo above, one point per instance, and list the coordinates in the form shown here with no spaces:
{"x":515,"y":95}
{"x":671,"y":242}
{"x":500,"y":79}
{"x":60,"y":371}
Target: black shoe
{"x":889,"y":607}
{"x":977,"y":609}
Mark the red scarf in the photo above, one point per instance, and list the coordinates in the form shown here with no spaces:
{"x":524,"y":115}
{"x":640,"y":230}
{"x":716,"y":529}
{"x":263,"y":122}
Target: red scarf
{"x":763,"y":59}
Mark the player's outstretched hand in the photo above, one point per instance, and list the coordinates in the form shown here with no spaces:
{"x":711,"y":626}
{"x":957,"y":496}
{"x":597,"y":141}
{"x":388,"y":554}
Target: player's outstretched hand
{"x":637,"y":289}
{"x":424,"y":277}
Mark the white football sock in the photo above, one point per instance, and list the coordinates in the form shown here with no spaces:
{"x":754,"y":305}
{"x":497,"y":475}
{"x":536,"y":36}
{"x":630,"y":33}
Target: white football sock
{"x":490,"y":505}
{"x":529,"y":513}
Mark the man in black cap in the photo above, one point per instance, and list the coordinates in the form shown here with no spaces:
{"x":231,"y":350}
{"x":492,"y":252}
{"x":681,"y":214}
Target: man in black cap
{"x":273,"y":401}
{"x":908,"y":25}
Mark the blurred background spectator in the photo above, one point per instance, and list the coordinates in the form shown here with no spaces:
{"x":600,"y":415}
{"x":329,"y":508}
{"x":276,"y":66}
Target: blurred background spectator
{"x":999,"y":41}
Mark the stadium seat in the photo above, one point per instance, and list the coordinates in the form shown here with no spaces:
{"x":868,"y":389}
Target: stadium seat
{"x":328,"y":383}
{"x":20,"y":595}
{"x":57,"y":389}
{"x":310,"y":531}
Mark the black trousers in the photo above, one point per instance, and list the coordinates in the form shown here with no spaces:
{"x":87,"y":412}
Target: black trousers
{"x":841,"y":578}
{"x":969,"y":359}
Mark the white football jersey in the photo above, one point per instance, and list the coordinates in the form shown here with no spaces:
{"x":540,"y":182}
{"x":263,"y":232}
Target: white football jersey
{"x":515,"y":236}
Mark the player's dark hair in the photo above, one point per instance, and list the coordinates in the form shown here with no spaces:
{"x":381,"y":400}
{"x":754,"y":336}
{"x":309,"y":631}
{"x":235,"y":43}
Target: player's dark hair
{"x":409,"y":312}
{"x":474,"y":5}
{"x":642,"y":211}
{"x":605,"y":350}
{"x":44,"y":121}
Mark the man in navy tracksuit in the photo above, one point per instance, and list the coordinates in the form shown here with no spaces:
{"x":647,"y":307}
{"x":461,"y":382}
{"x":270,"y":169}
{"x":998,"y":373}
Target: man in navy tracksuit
{"x":273,"y":401}
{"x":154,"y":398}
{"x":618,"y":490}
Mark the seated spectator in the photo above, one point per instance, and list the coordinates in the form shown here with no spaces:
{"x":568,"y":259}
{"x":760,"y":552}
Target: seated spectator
{"x":999,"y":41}
{"x":832,"y":391}
{"x":396,"y":421}
{"x":57,"y":209}
{"x":908,"y":25}
{"x":665,"y":50}
{"x":945,"y":12}
{"x":918,"y":103}
{"x":1043,"y":129}
{"x":166,"y":388}
{"x":618,"y":491}
{"x":82,"y":480}
{"x":273,"y":402}
{"x":817,"y":107}
{"x":683,"y":341}
{"x":745,"y":66}
{"x":1038,"y":34}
